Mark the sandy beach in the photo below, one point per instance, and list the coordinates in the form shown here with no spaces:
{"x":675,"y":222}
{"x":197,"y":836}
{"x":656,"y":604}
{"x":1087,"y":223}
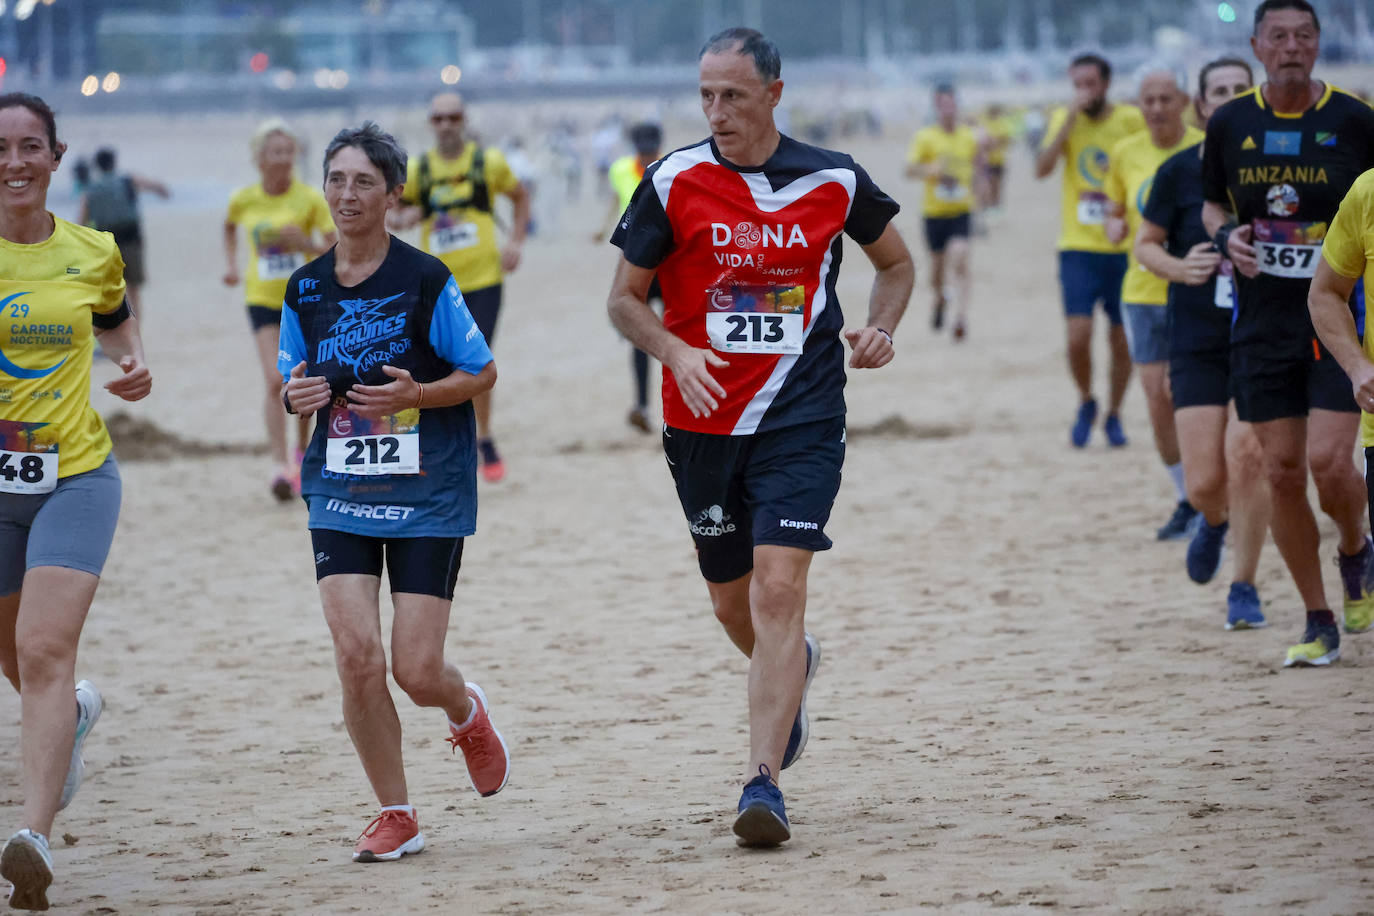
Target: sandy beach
{"x":1023,"y":703}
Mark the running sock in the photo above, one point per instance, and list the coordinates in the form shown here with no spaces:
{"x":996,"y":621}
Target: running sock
{"x":1321,"y":617}
{"x":640,"y":361}
{"x":472,"y":714}
{"x":408,"y":809}
{"x":1176,"y":475}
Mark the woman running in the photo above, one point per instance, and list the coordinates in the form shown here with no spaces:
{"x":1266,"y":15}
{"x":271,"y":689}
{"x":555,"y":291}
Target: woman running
{"x":376,"y":333}
{"x":61,"y":288}
{"x":288,"y":224}
{"x":1222,"y":464}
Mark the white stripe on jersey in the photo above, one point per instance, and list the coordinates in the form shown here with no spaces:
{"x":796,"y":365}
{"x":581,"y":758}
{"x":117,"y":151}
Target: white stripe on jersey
{"x":677,"y":163}
{"x":758,"y":405}
{"x":770,"y":201}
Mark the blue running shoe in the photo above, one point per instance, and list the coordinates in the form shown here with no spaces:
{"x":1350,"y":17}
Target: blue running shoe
{"x":1083,"y":426}
{"x":1205,"y":550}
{"x":1179,"y":525}
{"x":1243,"y":608}
{"x":801,"y":726}
{"x":762,"y":817}
{"x":1116,"y":436}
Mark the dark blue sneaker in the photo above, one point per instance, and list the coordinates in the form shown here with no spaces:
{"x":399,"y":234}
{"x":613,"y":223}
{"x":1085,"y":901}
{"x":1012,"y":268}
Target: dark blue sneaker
{"x":1083,"y":426}
{"x":1243,"y":608}
{"x":801,"y":726}
{"x":1116,"y":436}
{"x":762,"y":817}
{"x":1205,"y":550}
{"x":1179,"y":525}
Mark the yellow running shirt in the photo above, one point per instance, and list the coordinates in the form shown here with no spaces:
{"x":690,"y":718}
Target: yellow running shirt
{"x":457,"y":229}
{"x":1085,"y":168}
{"x":270,"y":265}
{"x":48,"y":294}
{"x":624,"y":175}
{"x":1134,"y":163}
{"x":1000,"y":131}
{"x":954,"y":152}
{"x":1349,"y":250}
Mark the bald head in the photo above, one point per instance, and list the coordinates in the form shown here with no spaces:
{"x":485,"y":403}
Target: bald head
{"x":446,"y":116}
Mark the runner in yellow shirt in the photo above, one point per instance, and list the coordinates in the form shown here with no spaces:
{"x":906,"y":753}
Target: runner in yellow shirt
{"x":998,"y":129}
{"x":944,"y":156}
{"x":625,"y":174}
{"x":1347,"y":257}
{"x":1090,"y":266}
{"x":450,"y":190}
{"x":288,"y":224}
{"x":62,"y":286}
{"x":1163,"y":98}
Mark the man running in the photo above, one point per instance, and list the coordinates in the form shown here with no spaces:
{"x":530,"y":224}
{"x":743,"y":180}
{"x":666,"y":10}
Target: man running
{"x":451,"y":189}
{"x":1282,"y":156}
{"x":624,"y":175}
{"x":110,"y":204}
{"x":1091,"y":267}
{"x":744,"y":232}
{"x":1163,"y":94}
{"x":944,"y":156}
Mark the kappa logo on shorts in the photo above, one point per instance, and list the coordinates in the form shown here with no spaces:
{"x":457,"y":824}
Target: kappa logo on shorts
{"x":712,"y":522}
{"x":803,"y":526}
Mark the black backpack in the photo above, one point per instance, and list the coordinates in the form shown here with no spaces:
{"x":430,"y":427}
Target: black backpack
{"x":481,"y":195}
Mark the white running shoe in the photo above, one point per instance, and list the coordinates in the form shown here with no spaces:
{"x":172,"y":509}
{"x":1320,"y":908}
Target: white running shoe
{"x":88,"y":707}
{"x":26,"y":863}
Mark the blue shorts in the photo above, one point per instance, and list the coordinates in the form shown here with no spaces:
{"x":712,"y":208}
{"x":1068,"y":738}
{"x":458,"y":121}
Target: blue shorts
{"x":1147,"y":332}
{"x":72,"y":527}
{"x":740,"y":492}
{"x":1089,"y":277}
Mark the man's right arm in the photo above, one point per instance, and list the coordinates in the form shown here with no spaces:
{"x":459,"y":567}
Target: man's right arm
{"x":1049,"y":153}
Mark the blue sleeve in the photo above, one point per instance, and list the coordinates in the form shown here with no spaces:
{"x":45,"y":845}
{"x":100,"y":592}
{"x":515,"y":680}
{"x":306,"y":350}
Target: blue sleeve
{"x":291,"y":345}
{"x":453,"y":333}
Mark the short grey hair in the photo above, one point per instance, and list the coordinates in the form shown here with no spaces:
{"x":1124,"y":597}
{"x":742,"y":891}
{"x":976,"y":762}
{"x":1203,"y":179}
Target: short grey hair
{"x":749,"y":42}
{"x":377,"y":145}
{"x":1163,"y":68}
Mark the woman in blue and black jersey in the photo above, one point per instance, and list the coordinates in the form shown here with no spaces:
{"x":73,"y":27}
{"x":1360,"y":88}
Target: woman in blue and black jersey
{"x":1222,"y":465}
{"x":375,"y":335}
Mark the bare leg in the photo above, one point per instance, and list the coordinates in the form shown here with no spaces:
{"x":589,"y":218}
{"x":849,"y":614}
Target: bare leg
{"x":417,"y":655}
{"x":1120,"y":367}
{"x":350,"y":608}
{"x":1202,"y":443}
{"x":1154,"y":379}
{"x":1340,"y":489}
{"x":957,"y":255}
{"x":731,"y":603}
{"x":481,"y":407}
{"x":273,"y":412}
{"x":1249,"y":497}
{"x":1284,"y":443}
{"x":9,"y":653}
{"x":1080,"y":342}
{"x":777,"y":599}
{"x":52,"y":610}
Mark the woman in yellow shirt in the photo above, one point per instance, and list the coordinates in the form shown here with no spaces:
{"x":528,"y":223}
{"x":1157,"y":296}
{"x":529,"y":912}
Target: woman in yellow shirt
{"x":61,"y":287}
{"x":288,"y":224}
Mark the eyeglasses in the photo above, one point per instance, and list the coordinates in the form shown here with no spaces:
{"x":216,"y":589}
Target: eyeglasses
{"x":441,"y":118}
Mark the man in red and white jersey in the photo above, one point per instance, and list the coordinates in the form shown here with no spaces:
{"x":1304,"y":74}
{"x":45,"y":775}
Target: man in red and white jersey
{"x":744,"y":231}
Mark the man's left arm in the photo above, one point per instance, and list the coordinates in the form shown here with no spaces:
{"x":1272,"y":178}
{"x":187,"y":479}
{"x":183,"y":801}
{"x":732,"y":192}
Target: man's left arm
{"x":520,"y":223}
{"x":896,"y":274}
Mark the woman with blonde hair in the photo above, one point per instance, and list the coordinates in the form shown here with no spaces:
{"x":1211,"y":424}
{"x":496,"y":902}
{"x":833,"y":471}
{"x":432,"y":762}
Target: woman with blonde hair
{"x":288,"y":224}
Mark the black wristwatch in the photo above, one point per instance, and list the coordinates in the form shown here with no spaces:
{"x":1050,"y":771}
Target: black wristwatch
{"x":286,"y":402}
{"x":1222,"y":237}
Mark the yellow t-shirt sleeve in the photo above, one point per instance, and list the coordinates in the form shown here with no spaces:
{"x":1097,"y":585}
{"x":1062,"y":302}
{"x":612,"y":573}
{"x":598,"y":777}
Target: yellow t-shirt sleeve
{"x":499,"y":176}
{"x":111,"y":280}
{"x":913,"y":150}
{"x":320,"y":219}
{"x":410,"y":194}
{"x":1056,"y":124}
{"x":1114,"y":185}
{"x":1344,"y":248}
{"x":236,"y":204}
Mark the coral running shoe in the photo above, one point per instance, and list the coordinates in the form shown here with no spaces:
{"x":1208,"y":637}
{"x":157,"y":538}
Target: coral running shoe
{"x":493,"y":468}
{"x":483,"y":747}
{"x":392,"y":834}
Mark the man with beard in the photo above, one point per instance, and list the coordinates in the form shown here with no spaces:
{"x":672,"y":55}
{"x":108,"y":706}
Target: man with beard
{"x":1091,"y":266}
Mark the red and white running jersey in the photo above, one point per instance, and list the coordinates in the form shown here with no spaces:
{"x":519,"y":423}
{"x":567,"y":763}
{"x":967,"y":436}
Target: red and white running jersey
{"x":747,"y":260}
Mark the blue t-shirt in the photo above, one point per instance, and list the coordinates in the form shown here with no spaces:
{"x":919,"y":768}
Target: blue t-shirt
{"x":411,"y":315}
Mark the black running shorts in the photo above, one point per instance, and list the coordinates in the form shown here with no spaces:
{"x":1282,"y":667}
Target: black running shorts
{"x":417,"y":566}
{"x":1200,"y":379}
{"x":741,"y":492}
{"x":1269,"y":387}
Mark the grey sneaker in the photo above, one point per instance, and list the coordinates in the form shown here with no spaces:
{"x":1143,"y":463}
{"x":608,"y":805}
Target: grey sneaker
{"x":88,"y":707}
{"x":26,"y":863}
